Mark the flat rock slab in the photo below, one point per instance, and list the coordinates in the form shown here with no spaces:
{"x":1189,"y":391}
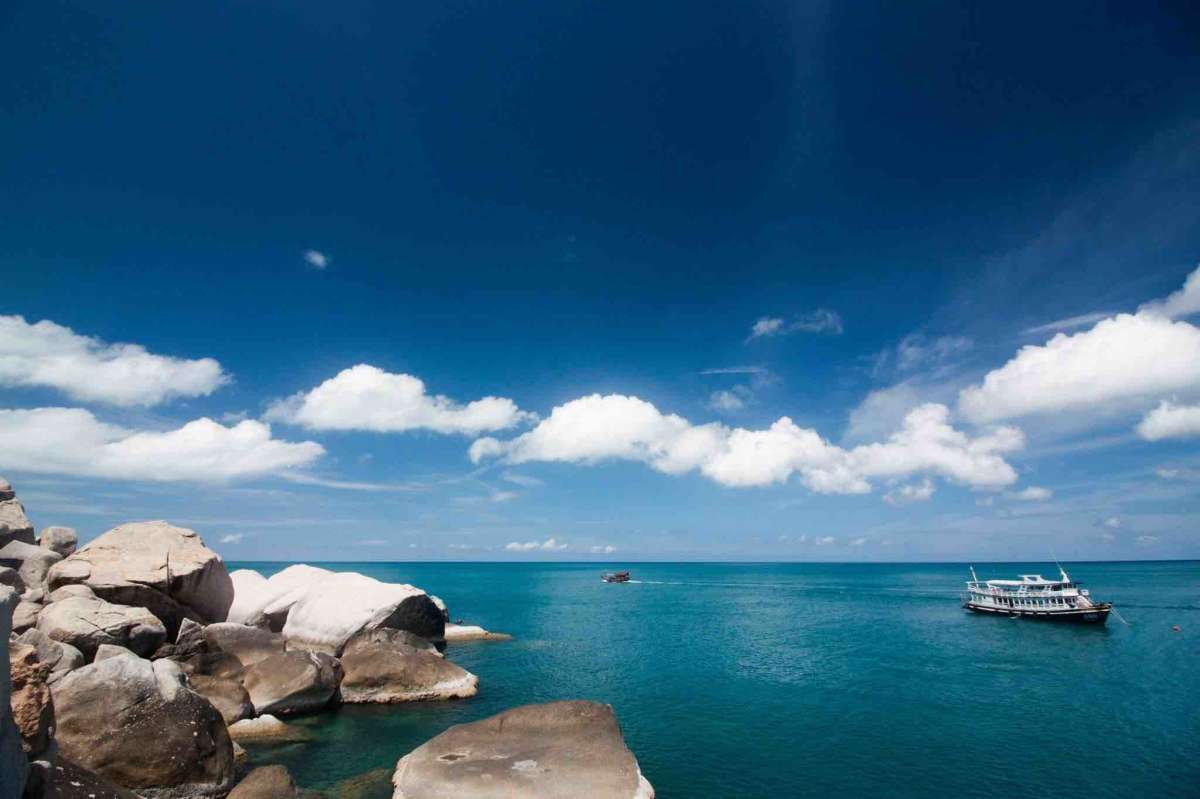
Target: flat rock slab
{"x":458,"y":633}
{"x":558,"y":750}
{"x":384,"y":669}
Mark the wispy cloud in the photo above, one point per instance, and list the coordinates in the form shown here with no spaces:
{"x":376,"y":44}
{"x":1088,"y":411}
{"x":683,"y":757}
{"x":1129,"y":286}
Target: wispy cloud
{"x":736,"y":370}
{"x":521,"y":479}
{"x":232,"y":538}
{"x":349,"y":485}
{"x":1070,"y":323}
{"x":822,"y":320}
{"x":603,"y":549}
{"x":549,"y":545}
{"x":316,"y":259}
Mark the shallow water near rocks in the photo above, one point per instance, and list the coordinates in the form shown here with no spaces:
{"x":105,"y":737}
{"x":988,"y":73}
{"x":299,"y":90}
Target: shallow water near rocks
{"x":770,"y":680}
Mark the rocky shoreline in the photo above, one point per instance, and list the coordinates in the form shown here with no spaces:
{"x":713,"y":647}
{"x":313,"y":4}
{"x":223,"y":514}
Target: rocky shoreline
{"x":132,"y":666}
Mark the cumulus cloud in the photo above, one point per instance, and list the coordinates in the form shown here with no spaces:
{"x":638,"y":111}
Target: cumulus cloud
{"x":72,"y":441}
{"x":1033,"y":494}
{"x":821,"y":320}
{"x":48,"y":355}
{"x":913,"y":492}
{"x":365,"y":397}
{"x":549,"y":545}
{"x":597,"y":428}
{"x":1184,"y":302}
{"x":316,"y":259}
{"x":1169,"y":420}
{"x":1125,"y":357}
{"x":728,"y":401}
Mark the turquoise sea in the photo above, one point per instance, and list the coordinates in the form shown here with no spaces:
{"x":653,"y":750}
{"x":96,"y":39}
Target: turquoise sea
{"x":794,"y":680}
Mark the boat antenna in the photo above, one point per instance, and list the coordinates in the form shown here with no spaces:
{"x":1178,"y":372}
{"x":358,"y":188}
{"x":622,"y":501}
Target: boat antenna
{"x":974,"y":579}
{"x":1061,"y":571}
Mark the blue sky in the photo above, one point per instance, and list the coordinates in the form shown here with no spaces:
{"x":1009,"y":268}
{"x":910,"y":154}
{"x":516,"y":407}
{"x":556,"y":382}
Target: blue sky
{"x":737,"y":280}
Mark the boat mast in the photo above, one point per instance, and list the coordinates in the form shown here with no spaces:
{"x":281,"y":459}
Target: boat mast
{"x":974,"y":579}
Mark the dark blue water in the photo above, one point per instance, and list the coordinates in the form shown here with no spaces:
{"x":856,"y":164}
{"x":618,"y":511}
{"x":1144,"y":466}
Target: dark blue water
{"x":771,"y":680}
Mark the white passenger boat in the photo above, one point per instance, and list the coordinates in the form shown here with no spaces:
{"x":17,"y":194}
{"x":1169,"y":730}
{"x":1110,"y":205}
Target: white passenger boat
{"x":1035,"y":597}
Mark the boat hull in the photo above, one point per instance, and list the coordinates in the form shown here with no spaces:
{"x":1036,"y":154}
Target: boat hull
{"x":1092,"y":615}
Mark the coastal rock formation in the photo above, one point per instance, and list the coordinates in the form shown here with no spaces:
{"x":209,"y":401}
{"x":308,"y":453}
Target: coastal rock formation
{"x":154,"y":565}
{"x":248,"y":644}
{"x":61,"y":540}
{"x":293,"y":682}
{"x":559,"y":750}
{"x":340,"y":605}
{"x":31,"y":562}
{"x":263,"y":602}
{"x":266,"y":782}
{"x":250,"y":595}
{"x":14,"y":524}
{"x":265,"y":728}
{"x":226,"y":695}
{"x":14,"y":765}
{"x":87,"y":623}
{"x":69,"y":781}
{"x":381,"y":666}
{"x":136,"y":723}
{"x":458,"y":633}
{"x":32,"y":710}
{"x":61,"y":658}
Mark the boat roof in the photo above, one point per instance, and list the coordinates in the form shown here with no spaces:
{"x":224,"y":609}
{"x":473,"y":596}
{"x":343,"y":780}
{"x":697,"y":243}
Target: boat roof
{"x":1028,"y":579}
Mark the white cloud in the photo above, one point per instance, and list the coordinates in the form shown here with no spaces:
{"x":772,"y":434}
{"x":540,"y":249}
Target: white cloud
{"x":825,"y":541}
{"x":1146,"y":539}
{"x":858,"y":542}
{"x":72,"y":441}
{"x":1184,"y":302}
{"x":1122,"y":358}
{"x":316,"y":259}
{"x":232,"y":538}
{"x":503,"y":496}
{"x":1112,"y":522}
{"x":549,"y":545}
{"x":915,"y":492}
{"x":917,"y":350}
{"x":737,"y":370}
{"x":521,"y":479}
{"x":350,"y":485}
{"x":1169,"y":420}
{"x":821,"y":320}
{"x":615,"y":427}
{"x":604,"y":549}
{"x":1033,"y":494}
{"x":48,"y":355}
{"x":1069,"y":323}
{"x":373,"y":542}
{"x":727,"y":401}
{"x":365,"y":397}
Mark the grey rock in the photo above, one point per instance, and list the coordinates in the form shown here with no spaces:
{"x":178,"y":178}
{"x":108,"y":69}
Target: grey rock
{"x":129,"y":563}
{"x":106,"y":651}
{"x":68,"y":591}
{"x":383,"y":669}
{"x":558,"y":750}
{"x":62,"y":540}
{"x":227,"y":696}
{"x":69,"y":781}
{"x":14,"y":524}
{"x":266,"y":728}
{"x":6,"y":490}
{"x":137,"y":724}
{"x":14,"y":765}
{"x":62,"y":658}
{"x":25,"y":616}
{"x":87,"y":623}
{"x":247,"y":644}
{"x":31,"y":562}
{"x":293,"y":682}
{"x":12,"y":578}
{"x":266,"y":782}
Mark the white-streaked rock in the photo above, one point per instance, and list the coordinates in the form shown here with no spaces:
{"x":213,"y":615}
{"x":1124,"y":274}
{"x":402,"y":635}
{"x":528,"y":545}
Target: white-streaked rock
{"x":87,"y":623}
{"x":338,"y":606}
{"x":458,"y":633}
{"x":285,"y":589}
{"x":171,"y":561}
{"x":558,"y":750}
{"x":251,"y":593}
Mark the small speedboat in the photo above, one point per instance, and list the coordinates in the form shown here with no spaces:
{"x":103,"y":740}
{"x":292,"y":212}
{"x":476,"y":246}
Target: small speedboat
{"x":615,"y":577}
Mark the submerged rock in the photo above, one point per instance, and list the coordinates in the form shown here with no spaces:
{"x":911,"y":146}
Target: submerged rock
{"x":247,"y":644}
{"x":381,"y":666}
{"x":62,"y":540}
{"x":293,"y":682}
{"x":266,"y":782}
{"x":266,"y":728}
{"x":338,"y":606}
{"x":14,"y":765}
{"x":559,"y":750}
{"x":155,"y":565}
{"x":136,"y":723}
{"x":458,"y":633}
{"x":87,"y":623}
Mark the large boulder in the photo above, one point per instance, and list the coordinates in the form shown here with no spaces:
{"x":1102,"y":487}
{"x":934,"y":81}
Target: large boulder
{"x":266,"y":782}
{"x":11,"y":578}
{"x":14,"y":524}
{"x":266,"y":603}
{"x":251,"y":592}
{"x":559,"y":750}
{"x":62,"y":540}
{"x":381,"y":666}
{"x":153,"y":565}
{"x":32,"y":709}
{"x":67,"y":591}
{"x":31,"y":562}
{"x":25,"y":616}
{"x":69,"y":781}
{"x":226,"y":694}
{"x":135,"y":723}
{"x":14,"y":766}
{"x":247,"y":644}
{"x":340,"y":605}
{"x":61,"y":658}
{"x":87,"y":623}
{"x":293,"y":682}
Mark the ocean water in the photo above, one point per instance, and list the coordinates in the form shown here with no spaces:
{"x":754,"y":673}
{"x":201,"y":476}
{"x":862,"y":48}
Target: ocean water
{"x":796,"y":680}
